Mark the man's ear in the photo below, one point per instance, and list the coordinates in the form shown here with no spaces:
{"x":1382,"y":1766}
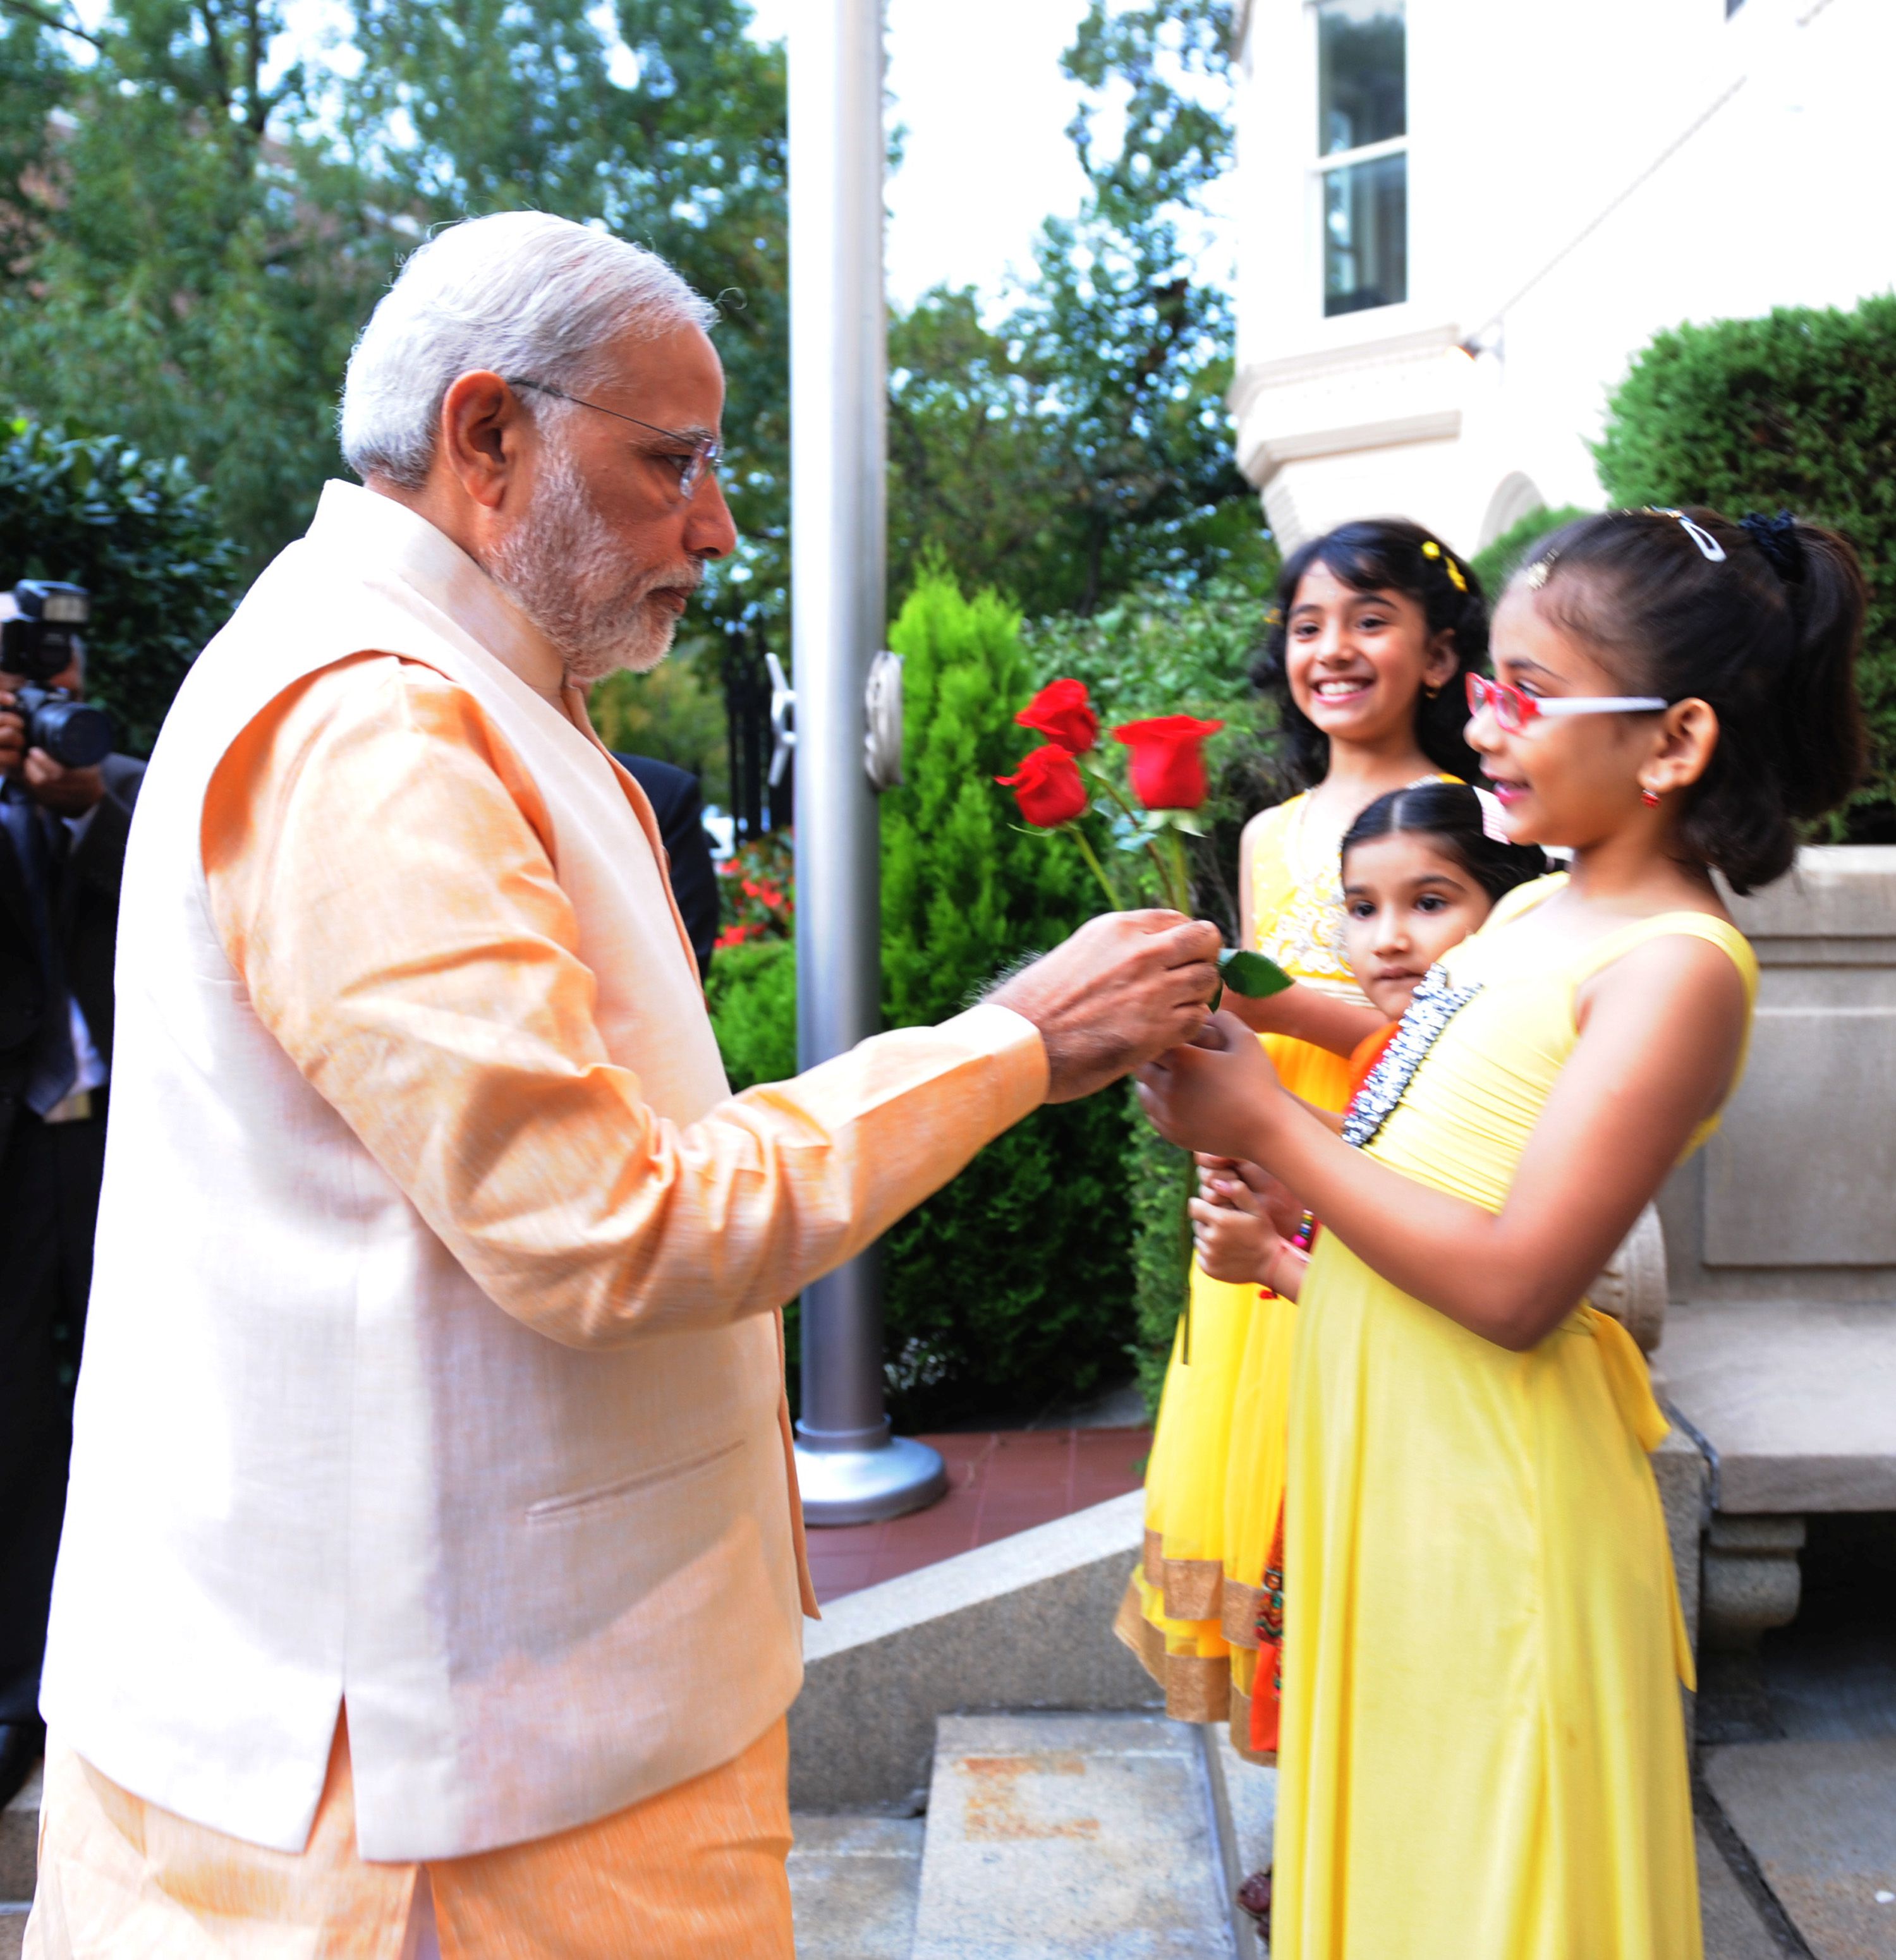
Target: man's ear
{"x":483,"y":435}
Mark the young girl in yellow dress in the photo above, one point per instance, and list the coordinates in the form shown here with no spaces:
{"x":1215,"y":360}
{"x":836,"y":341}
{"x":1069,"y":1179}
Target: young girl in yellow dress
{"x":1423,"y":867}
{"x":1375,"y":624}
{"x":1482,"y":1753}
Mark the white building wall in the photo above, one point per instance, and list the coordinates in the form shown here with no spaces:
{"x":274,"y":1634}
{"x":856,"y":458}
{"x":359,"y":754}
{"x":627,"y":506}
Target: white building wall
{"x":1579,"y":179}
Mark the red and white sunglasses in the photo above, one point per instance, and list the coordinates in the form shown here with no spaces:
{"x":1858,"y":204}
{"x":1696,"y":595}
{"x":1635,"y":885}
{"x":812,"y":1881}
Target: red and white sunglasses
{"x":1515,"y":711}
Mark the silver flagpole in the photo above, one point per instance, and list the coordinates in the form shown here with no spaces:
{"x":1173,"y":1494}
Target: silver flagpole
{"x":851,"y":1469}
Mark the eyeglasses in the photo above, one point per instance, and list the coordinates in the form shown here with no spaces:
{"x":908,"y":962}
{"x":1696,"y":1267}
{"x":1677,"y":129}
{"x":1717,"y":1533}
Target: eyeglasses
{"x":1514,"y":710}
{"x":707,"y":450}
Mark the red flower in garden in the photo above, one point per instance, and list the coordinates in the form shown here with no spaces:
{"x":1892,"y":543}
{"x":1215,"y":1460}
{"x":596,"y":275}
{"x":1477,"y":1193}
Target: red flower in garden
{"x":1061,"y":712}
{"x":1168,"y":762}
{"x":1049,"y":787}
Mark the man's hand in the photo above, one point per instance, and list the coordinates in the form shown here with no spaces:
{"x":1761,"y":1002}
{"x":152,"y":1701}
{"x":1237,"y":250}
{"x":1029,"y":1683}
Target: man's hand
{"x":65,"y":792}
{"x":1123,"y":990}
{"x":13,"y":728}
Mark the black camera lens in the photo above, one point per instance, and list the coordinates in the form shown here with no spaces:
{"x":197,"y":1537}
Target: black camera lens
{"x":74,"y":735}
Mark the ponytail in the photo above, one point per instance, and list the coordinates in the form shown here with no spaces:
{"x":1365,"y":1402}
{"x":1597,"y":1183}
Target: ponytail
{"x":1765,"y":626}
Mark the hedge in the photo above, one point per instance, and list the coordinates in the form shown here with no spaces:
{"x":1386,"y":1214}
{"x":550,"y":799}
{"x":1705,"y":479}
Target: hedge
{"x":1010,"y":1289}
{"x":135,"y":531}
{"x":1796,"y":409}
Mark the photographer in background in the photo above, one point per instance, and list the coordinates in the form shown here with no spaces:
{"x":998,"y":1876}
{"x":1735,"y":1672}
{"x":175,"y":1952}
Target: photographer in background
{"x":62,"y":833}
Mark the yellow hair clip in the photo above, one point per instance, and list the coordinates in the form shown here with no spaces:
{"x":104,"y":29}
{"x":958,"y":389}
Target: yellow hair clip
{"x":1431,"y":549}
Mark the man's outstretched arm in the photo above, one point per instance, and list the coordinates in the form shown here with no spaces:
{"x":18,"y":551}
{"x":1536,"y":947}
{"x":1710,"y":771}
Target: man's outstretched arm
{"x":379,"y":869}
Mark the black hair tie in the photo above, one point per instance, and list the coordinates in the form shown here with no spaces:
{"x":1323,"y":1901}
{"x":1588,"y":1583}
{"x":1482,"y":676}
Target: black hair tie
{"x":1776,"y":538}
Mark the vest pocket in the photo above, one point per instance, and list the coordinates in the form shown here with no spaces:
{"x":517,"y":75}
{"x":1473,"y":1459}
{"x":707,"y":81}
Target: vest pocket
{"x":570,"y":1503}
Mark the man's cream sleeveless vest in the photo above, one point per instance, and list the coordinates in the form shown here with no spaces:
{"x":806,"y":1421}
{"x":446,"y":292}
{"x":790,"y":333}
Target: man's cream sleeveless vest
{"x":312,"y":1461}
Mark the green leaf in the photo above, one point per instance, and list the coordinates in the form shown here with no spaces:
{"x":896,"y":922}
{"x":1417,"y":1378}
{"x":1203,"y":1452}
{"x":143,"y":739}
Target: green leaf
{"x":1250,"y":974}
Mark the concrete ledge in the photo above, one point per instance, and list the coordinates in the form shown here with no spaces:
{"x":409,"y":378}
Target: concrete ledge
{"x":1798,"y":1399}
{"x":1025,"y":1623}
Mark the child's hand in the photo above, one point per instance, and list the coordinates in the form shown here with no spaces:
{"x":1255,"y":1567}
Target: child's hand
{"x":1214,"y":1095}
{"x":1237,"y":1242}
{"x":1281,"y":1205}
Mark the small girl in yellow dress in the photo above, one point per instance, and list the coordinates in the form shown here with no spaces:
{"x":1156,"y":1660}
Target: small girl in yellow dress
{"x":1423,"y":867}
{"x":1375,"y":625}
{"x":1482,"y":1753}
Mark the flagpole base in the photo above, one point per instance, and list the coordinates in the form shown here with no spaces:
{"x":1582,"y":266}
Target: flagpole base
{"x":863,"y":1486}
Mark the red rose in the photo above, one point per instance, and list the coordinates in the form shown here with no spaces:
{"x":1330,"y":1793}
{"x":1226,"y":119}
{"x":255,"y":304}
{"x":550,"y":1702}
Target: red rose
{"x":1060,"y":712}
{"x":1049,"y":787}
{"x":1168,"y":765}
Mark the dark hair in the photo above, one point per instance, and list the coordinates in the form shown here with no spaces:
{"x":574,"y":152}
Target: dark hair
{"x":1767,"y":635}
{"x":1382,"y":555}
{"x":1450,"y":814}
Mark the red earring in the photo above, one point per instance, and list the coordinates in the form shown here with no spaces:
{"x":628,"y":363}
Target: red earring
{"x":1649,"y":797}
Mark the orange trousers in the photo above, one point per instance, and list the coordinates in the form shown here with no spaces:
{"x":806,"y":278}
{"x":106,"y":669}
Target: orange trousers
{"x":694,"y":1873}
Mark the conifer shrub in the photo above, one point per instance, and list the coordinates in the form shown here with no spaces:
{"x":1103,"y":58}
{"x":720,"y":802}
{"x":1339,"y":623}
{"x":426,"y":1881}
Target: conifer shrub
{"x":1011,"y":1288}
{"x":1796,"y":409}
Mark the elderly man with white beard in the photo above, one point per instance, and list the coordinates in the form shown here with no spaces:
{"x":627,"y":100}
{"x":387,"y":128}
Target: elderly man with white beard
{"x":432,"y":1574}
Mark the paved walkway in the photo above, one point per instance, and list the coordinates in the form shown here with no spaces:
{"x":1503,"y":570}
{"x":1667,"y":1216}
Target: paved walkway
{"x":1000,"y":1482}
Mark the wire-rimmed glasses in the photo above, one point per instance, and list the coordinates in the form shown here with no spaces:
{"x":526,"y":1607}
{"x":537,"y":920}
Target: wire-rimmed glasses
{"x":706,"y":450}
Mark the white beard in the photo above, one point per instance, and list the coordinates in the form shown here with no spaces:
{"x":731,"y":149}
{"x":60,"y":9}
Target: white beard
{"x":563,"y":567}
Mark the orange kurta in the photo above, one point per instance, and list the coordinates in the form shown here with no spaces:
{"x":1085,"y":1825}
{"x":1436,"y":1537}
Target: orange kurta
{"x":423,"y":974}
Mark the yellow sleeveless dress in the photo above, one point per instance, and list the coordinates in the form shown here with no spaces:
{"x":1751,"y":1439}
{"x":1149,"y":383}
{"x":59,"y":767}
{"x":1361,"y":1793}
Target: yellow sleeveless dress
{"x":1482,"y":1754}
{"x":1215,"y":1480}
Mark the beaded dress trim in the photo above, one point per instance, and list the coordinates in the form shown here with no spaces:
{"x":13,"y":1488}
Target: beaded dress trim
{"x":1434,"y":1005}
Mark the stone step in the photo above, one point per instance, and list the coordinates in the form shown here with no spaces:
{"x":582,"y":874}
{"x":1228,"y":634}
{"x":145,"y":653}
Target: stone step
{"x":853,"y":1885}
{"x":1053,"y":1837}
{"x":19,"y":1849}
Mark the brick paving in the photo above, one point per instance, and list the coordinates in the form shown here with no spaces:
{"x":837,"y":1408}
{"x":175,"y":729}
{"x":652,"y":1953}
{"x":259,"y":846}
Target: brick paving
{"x":1000,"y":1482}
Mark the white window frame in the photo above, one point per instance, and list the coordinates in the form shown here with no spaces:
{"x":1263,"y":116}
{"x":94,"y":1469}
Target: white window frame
{"x":1337,"y":160}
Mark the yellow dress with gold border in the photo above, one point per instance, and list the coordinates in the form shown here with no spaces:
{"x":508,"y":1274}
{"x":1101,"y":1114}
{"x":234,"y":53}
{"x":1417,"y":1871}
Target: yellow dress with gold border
{"x":1482,"y":1756}
{"x":1214,"y":1481}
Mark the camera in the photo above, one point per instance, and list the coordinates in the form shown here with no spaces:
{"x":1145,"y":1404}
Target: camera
{"x":41,"y":640}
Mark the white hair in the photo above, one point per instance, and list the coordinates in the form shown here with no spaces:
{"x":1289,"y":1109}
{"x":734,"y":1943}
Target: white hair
{"x":524,"y":293}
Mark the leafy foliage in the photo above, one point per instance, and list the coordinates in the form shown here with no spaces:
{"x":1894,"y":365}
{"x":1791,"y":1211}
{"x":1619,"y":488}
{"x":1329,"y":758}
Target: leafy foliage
{"x":1155,"y":651}
{"x":189,"y":271}
{"x":676,"y":713}
{"x":195,"y":242}
{"x":1494,"y":565}
{"x":756,"y":895}
{"x":1008,"y":1288}
{"x":1797,"y":408}
{"x":1082,"y":448}
{"x":1159,"y":1178}
{"x":136,"y":532}
{"x":753,"y":993}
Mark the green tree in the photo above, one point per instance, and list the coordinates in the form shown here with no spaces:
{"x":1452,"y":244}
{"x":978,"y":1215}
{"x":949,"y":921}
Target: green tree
{"x":1799,"y":409}
{"x":191,"y":269}
{"x":675,"y":713}
{"x":1082,"y":448}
